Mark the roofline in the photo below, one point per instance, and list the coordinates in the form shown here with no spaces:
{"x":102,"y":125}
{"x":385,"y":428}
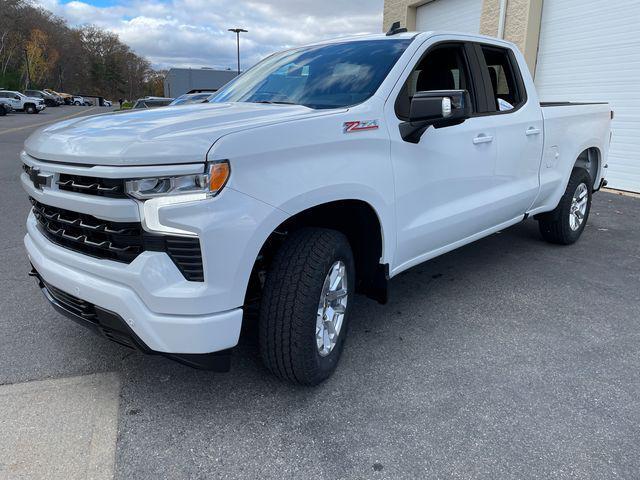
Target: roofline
{"x":407,"y":36}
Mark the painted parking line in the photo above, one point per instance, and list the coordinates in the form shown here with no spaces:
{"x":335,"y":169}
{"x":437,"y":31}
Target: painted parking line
{"x":17,"y":129}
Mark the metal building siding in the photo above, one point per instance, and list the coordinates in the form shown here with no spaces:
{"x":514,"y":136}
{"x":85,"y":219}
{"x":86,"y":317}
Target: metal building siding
{"x":181,"y":80}
{"x":452,"y":15}
{"x":590,"y":51}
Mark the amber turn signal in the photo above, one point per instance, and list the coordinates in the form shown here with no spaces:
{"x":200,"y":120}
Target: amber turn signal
{"x":218,"y":175}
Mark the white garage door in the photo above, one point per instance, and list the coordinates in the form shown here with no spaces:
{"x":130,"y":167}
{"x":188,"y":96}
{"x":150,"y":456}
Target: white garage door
{"x":452,"y":15}
{"x":590,"y":51}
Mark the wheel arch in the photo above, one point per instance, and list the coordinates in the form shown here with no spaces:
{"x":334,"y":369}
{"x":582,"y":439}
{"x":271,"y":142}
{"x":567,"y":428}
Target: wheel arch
{"x":357,"y":219}
{"x":590,"y":159}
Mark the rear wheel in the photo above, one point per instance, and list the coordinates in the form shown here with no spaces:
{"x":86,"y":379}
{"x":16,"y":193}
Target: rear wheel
{"x":3,"y":111}
{"x":305,"y":305}
{"x":77,"y":104}
{"x":565,"y":224}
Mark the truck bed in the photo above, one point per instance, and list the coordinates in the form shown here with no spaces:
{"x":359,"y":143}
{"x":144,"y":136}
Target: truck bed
{"x":568,"y":132}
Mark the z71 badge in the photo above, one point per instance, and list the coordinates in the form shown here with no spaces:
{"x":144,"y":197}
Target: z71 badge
{"x":359,"y":126}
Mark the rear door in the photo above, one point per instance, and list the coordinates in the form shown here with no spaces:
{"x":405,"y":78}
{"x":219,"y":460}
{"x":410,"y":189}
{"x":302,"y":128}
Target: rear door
{"x":517,"y":120}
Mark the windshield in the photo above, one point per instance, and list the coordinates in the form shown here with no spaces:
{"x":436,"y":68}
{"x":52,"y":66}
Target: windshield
{"x":324,"y":76}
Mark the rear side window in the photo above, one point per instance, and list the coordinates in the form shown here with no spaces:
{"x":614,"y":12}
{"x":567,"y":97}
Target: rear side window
{"x":505,"y":79}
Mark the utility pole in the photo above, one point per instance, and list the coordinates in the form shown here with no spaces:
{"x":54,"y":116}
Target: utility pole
{"x":237,"y":31}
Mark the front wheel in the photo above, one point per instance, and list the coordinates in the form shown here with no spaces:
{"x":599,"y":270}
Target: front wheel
{"x":306,"y":301}
{"x":77,"y":104}
{"x":30,"y":109}
{"x":565,"y":224}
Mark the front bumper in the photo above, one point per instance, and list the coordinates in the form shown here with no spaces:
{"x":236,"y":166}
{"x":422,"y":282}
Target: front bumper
{"x":112,"y":326}
{"x":159,"y":332}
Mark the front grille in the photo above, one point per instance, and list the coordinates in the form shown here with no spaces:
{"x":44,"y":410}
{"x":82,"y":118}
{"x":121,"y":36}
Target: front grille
{"x":104,"y":187}
{"x":118,"y":241}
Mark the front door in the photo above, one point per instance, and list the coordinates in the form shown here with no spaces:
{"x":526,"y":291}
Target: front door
{"x":444,"y":182}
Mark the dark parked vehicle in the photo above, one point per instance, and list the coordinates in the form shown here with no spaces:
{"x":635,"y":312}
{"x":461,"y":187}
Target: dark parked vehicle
{"x":189,"y":98}
{"x":49,"y":100}
{"x":152,"y":102}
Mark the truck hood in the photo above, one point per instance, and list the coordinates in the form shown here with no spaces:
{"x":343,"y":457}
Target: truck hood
{"x":167,"y":135}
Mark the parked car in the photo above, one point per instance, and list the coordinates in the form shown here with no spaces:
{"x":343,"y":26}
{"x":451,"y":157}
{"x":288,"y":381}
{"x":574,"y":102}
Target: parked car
{"x":152,"y":102}
{"x":6,"y":106}
{"x":77,"y":100}
{"x":66,"y":98}
{"x":190,"y":98}
{"x":21,"y":102}
{"x":49,"y":100}
{"x":320,"y":173}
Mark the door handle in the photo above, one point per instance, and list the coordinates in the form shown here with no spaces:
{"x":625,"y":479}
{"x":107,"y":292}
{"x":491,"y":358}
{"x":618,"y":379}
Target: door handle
{"x":533,"y":131}
{"x":482,"y":138}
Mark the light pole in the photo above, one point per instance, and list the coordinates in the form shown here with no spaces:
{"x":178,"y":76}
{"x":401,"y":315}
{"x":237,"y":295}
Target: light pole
{"x":237,"y":31}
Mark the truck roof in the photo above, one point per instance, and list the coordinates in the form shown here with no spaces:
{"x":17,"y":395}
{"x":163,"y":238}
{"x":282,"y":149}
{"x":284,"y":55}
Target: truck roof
{"x":411,"y":35}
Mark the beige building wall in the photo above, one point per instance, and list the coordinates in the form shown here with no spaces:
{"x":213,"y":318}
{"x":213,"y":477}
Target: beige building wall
{"x":522,"y":21}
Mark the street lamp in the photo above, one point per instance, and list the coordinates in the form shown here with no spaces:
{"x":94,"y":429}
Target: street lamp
{"x":237,"y":31}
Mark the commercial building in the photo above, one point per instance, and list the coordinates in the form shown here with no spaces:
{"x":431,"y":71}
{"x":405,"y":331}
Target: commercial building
{"x":182,"y":80}
{"x":577,"y":50}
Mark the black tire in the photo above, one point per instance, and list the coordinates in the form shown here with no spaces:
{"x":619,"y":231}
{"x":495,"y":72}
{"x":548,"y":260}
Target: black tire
{"x":555,"y":226}
{"x":3,"y":111}
{"x":289,"y":305}
{"x":30,"y":108}
{"x":77,"y":104}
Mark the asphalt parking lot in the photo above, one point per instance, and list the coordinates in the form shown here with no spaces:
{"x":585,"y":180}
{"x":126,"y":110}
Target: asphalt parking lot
{"x":509,"y":358}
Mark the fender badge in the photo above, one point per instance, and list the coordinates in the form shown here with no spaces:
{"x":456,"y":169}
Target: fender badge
{"x":359,"y":126}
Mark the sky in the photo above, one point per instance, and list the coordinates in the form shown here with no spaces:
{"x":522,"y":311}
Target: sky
{"x":193,"y":33}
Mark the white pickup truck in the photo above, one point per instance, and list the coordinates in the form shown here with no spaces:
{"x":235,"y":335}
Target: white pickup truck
{"x":320,"y":173}
{"x":21,"y":102}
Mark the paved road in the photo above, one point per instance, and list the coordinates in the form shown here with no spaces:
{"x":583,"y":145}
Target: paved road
{"x":509,"y":358}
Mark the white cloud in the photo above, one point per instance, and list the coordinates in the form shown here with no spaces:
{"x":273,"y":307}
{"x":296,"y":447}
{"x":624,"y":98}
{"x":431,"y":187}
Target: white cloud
{"x":194,"y":32}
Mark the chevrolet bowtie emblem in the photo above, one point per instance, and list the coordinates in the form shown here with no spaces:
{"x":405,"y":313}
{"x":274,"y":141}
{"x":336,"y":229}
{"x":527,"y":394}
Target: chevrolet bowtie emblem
{"x":39,"y":180}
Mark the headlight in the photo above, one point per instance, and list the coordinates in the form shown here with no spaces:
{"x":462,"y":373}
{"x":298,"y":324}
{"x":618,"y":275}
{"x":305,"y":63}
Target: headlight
{"x":199,"y":186}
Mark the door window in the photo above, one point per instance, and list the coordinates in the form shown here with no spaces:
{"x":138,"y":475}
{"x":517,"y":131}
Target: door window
{"x":444,"y":67}
{"x":504,"y":79}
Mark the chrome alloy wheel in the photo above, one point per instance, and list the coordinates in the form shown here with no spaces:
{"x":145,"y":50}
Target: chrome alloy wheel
{"x":578,"y":208}
{"x":331,"y":308}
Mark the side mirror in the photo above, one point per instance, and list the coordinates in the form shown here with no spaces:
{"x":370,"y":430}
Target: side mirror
{"x":16,"y":97}
{"x":440,"y":108}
